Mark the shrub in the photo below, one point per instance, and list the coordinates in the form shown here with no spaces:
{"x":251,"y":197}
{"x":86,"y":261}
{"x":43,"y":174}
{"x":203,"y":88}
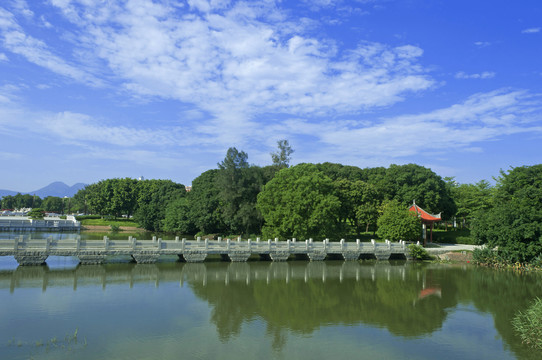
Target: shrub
{"x":528,"y":324}
{"x":398,"y":223}
{"x":114,"y":228}
{"x":417,"y":252}
{"x":484,"y":256}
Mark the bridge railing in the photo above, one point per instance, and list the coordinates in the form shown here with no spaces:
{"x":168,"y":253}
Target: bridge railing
{"x":210,"y":246}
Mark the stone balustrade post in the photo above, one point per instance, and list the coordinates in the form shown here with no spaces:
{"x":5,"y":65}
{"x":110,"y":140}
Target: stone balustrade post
{"x":206,"y":244}
{"x":183,"y":244}
{"x":78,"y":243}
{"x":249,"y":244}
{"x":198,"y":239}
{"x":342,"y":244}
{"x":176,"y":239}
{"x":269,"y":243}
{"x":134,"y":243}
{"x":48,"y":243}
{"x":106,"y":243}
{"x":358,"y":244}
{"x":220,"y":239}
{"x":307,"y":245}
{"x":159,"y":244}
{"x":325,"y":245}
{"x":228,"y":242}
{"x":154,"y":239}
{"x":288,"y":244}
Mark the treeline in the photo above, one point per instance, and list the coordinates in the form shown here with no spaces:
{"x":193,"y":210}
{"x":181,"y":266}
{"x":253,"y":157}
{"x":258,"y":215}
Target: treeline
{"x":306,"y":200}
{"x":50,"y":203}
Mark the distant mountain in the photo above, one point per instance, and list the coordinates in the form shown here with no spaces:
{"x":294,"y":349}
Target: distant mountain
{"x":7,"y":193}
{"x":57,"y":188}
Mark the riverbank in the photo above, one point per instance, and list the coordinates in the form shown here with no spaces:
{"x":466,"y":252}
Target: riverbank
{"x":102,"y":228}
{"x":457,"y":253}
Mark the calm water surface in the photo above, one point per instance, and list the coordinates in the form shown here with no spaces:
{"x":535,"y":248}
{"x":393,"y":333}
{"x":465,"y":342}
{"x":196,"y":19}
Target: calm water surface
{"x":264,"y":310}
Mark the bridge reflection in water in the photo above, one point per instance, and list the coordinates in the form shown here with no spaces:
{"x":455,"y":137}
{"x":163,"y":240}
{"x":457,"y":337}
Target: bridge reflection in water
{"x":200,"y":273}
{"x":291,"y":303}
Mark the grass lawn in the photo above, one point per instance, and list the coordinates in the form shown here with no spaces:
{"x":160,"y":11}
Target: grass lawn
{"x":104,"y":222}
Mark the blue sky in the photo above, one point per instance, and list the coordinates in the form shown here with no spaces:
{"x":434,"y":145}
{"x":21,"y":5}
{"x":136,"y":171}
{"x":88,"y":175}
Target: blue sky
{"x":96,"y":89}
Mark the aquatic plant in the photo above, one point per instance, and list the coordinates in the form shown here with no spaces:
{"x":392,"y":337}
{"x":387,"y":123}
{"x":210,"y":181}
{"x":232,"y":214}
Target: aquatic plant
{"x":528,"y":324}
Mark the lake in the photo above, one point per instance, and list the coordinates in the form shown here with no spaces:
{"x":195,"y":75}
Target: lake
{"x":264,"y":310}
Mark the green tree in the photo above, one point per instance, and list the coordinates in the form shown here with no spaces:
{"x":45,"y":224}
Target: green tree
{"x":53,"y":203}
{"x":300,"y":202}
{"x":408,"y":183}
{"x":8,"y":202}
{"x":124,"y":198}
{"x":282,"y":157}
{"x":398,"y":223}
{"x":178,"y":217}
{"x":514,"y":224}
{"x":204,"y":203}
{"x":471,"y":199}
{"x":154,"y":196}
{"x":36,"y":213}
{"x":239,"y":185}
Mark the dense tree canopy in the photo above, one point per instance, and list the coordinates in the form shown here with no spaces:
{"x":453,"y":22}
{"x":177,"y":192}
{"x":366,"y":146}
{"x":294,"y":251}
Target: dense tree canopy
{"x":300,"y":202}
{"x":398,"y":223}
{"x":514,"y":224}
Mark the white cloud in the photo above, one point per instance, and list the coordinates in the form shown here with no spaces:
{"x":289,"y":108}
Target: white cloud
{"x":21,"y":6}
{"x":10,"y":155}
{"x":243,"y":57}
{"x":3,"y":57}
{"x":483,"y":75}
{"x":36,"y":51}
{"x":531,"y":30}
{"x":482,"y":43}
{"x":82,"y":128}
{"x":482,"y":117}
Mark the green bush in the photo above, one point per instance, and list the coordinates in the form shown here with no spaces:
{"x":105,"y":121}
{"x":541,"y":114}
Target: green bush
{"x":417,"y":252}
{"x":86,"y":217}
{"x":484,"y":256}
{"x":114,"y":228}
{"x":528,"y":324}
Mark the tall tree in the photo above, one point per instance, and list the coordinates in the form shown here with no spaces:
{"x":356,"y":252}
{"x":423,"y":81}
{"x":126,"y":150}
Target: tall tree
{"x":398,"y":223}
{"x":239,"y":184}
{"x":300,"y":202}
{"x":53,"y":203}
{"x":281,"y":158}
{"x":408,"y":183}
{"x":514,"y":224}
{"x":471,"y":199}
{"x":154,"y":196}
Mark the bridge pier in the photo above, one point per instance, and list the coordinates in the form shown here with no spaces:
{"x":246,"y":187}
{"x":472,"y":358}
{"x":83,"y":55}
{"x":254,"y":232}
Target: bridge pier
{"x":383,"y":255}
{"x":317,"y":255}
{"x":351,"y":255}
{"x":279,"y":255}
{"x":146,"y":257}
{"x":194,"y":256}
{"x":91,"y":258}
{"x":239,"y":256}
{"x":30,"y":258}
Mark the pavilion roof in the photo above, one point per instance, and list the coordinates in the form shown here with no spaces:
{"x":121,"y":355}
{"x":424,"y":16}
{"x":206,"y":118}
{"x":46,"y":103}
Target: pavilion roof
{"x":426,"y":217}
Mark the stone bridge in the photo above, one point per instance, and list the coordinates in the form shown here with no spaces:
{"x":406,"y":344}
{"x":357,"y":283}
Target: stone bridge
{"x":28,"y":251}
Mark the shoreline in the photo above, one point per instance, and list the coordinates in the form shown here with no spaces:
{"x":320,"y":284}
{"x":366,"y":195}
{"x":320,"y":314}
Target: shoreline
{"x":102,"y":228}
